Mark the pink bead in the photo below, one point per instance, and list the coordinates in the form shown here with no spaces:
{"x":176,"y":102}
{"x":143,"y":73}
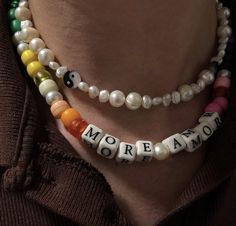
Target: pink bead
{"x":213,"y":107}
{"x":222,"y":82}
{"x":222,"y":101}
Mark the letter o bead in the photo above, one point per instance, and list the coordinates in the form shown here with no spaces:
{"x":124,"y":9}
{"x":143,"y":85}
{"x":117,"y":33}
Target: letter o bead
{"x":69,"y":115}
{"x":58,"y":108}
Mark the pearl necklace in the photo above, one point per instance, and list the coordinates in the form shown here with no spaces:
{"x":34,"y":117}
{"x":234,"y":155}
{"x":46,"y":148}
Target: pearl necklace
{"x":117,"y":98}
{"x":107,"y":145}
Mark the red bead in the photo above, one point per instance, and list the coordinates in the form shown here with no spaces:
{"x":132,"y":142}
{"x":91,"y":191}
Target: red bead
{"x":220,"y":92}
{"x":77,"y":127}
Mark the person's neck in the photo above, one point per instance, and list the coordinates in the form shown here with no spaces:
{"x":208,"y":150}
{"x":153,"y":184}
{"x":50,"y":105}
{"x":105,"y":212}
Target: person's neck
{"x":130,"y":45}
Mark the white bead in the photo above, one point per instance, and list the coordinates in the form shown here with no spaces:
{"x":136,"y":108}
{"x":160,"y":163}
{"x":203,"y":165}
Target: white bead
{"x":223,"y":40}
{"x":156,"y":101}
{"x":17,"y":37}
{"x":207,"y":76}
{"x":221,"y":54}
{"x":53,"y":96}
{"x":222,"y":46}
{"x":175,"y":96}
{"x":36,"y":44}
{"x":72,"y":79}
{"x":117,"y":98}
{"x":47,"y":86}
{"x":224,"y":22}
{"x":22,"y":13}
{"x":146,"y":102}
{"x":133,"y":101}
{"x":201,"y":83}
{"x":196,"y":88}
{"x":92,"y":135}
{"x":108,"y":146}
{"x":204,"y":129}
{"x":45,"y":56}
{"x":161,"y":152}
{"x":224,"y":31}
{"x":212,"y":118}
{"x":175,"y":143}
{"x":25,"y":24}
{"x":93,"y":92}
{"x":145,"y":151}
{"x":192,"y":139}
{"x":223,"y":13}
{"x":24,"y":4}
{"x":166,"y":99}
{"x":224,"y":73}
{"x":29,"y":33}
{"x":83,"y":86}
{"x":22,"y":47}
{"x":60,"y":72}
{"x":103,"y":96}
{"x":186,"y":93}
{"x":53,"y":65}
{"x":126,"y":153}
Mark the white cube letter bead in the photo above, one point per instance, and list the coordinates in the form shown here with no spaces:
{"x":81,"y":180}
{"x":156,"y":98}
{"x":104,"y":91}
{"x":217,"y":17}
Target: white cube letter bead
{"x":175,"y":143}
{"x":126,"y":153}
{"x":145,"y":151}
{"x":192,"y":139}
{"x":108,"y":146}
{"x":204,"y":129}
{"x":92,"y":135}
{"x":212,"y":118}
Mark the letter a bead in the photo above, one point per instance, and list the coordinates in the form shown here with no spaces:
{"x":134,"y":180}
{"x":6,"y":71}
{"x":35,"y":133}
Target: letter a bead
{"x":145,"y":151}
{"x":92,"y":135}
{"x":126,"y":153}
{"x":192,"y":139}
{"x":108,"y":146}
{"x":175,"y":143}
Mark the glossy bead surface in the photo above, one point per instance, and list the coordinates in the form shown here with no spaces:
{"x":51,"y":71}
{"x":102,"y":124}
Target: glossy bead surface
{"x":207,"y":76}
{"x":93,"y":92}
{"x":53,"y":96}
{"x":58,"y":108}
{"x":222,"y":82}
{"x":213,"y":107}
{"x":41,"y":76}
{"x":47,"y":86}
{"x":224,"y":73}
{"x":72,"y":79}
{"x":156,"y":101}
{"x":24,"y":4}
{"x":175,"y":97}
{"x":166,"y":100}
{"x":28,"y":56}
{"x":29,"y":33}
{"x":22,"y":47}
{"x":15,"y":26}
{"x":60,"y":72}
{"x":77,"y":127}
{"x":83,"y":86}
{"x":17,"y":37}
{"x":133,"y":101}
{"x":36,"y":44}
{"x":45,"y":56}
{"x":196,"y":88}
{"x":34,"y":67}
{"x":22,"y":13}
{"x":161,"y":151}
{"x":146,"y":102}
{"x":26,"y":23}
{"x":103,"y":96}
{"x":117,"y":98}
{"x":69,"y":115}
{"x":53,"y":65}
{"x":186,"y":93}
{"x":11,"y":14}
{"x":224,"y":31}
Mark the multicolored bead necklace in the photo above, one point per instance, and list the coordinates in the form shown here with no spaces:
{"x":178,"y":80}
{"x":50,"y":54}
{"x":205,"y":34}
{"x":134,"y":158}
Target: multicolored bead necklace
{"x":35,"y":57}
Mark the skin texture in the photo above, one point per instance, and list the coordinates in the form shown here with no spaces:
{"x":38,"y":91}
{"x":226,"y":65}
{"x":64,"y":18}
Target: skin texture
{"x":150,"y":48}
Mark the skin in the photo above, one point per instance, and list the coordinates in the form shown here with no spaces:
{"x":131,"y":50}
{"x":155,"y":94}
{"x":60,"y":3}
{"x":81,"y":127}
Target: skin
{"x":151,"y":48}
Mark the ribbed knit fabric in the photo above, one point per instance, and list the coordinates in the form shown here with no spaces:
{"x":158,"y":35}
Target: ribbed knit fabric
{"x":44,"y":183}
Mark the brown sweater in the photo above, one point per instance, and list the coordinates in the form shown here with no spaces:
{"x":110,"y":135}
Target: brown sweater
{"x":44,"y":183}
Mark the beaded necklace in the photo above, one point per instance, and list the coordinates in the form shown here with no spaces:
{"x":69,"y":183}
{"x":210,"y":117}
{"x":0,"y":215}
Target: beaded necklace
{"x":35,"y":57}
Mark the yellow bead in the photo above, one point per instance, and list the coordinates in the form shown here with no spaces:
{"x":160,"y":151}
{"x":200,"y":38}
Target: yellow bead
{"x":28,"y":56}
{"x":34,"y":67}
{"x":41,"y":76}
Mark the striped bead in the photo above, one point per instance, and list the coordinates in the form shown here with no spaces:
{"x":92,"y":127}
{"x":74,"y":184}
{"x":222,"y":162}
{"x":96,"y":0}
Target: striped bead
{"x":58,"y":108}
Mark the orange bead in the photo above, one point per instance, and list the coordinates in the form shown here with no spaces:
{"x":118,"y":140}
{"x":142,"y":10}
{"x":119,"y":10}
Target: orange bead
{"x":77,"y":127}
{"x":68,"y":116}
{"x":58,"y":108}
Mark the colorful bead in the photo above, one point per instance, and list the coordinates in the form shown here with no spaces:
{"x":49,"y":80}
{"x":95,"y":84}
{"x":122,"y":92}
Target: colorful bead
{"x":213,"y":107}
{"x":11,"y":14}
{"x":15,"y":26}
{"x":77,"y":127}
{"x":68,"y":116}
{"x":222,"y":101}
{"x":222,"y":82}
{"x":34,"y":67}
{"x":47,"y":86}
{"x":58,"y":108}
{"x":41,"y":76}
{"x":220,"y":92}
{"x":28,"y":56}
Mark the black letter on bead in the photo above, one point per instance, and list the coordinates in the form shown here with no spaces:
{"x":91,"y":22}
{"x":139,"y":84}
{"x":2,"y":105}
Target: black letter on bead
{"x":106,"y":152}
{"x":218,"y":122}
{"x":188,"y":133}
{"x":146,"y":147}
{"x":146,"y":158}
{"x":176,"y":143}
{"x":128,"y":149}
{"x":112,"y":140}
{"x":196,"y":143}
{"x":92,"y":135}
{"x":207,"y":130}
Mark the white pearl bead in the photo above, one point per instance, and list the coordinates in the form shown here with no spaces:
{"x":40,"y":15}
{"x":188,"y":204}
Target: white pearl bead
{"x":207,"y":76}
{"x":45,"y":56}
{"x":93,"y":92}
{"x":17,"y":37}
{"x":36,"y":44}
{"x":223,"y":13}
{"x":222,"y":47}
{"x":161,"y":152}
{"x":223,"y":40}
{"x":224,"y":31}
{"x":196,"y":88}
{"x":61,"y":71}
{"x":25,"y":24}
{"x":103,"y":96}
{"x":133,"y":101}
{"x":22,"y":47}
{"x":47,"y":86}
{"x":156,"y":101}
{"x":147,"y":102}
{"x":201,"y":83}
{"x":53,"y":65}
{"x":83,"y":86}
{"x":224,"y":73}
{"x":117,"y":98}
{"x":166,"y":100}
{"x":29,"y":33}
{"x":53,"y":96}
{"x":186,"y":93}
{"x":175,"y":96}
{"x":22,"y":13}
{"x":24,"y":4}
{"x":221,"y":54}
{"x":224,"y":22}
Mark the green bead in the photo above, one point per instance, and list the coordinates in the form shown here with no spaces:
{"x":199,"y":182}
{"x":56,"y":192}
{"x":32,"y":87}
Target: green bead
{"x":14,"y":4}
{"x":15,"y":26}
{"x":11,"y":14}
{"x":41,"y":76}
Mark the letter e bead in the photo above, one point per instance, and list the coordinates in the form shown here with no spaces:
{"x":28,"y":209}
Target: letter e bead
{"x":145,"y":151}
